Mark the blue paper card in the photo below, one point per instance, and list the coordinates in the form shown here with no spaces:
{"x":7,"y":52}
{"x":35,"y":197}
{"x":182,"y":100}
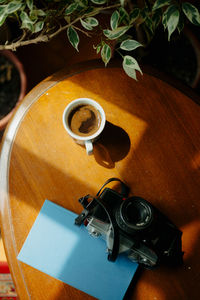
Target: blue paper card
{"x":67,"y":252}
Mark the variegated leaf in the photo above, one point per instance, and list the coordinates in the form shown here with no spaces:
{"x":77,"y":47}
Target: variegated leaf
{"x":130,"y":65}
{"x":92,"y":21}
{"x":161,"y":3}
{"x":86,"y":25}
{"x":106,"y":53}
{"x":73,"y":37}
{"x":171,"y":19}
{"x":13,"y":6}
{"x":29,"y":4}
{"x":38,"y":26}
{"x":26,"y":21}
{"x":99,"y":1}
{"x":114,"y":20}
{"x":134,"y":15}
{"x":115,"y":34}
{"x":191,"y":13}
{"x":71,"y":8}
{"x":130,"y":45}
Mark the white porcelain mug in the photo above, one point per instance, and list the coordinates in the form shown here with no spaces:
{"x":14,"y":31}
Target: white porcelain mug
{"x":84,"y":140}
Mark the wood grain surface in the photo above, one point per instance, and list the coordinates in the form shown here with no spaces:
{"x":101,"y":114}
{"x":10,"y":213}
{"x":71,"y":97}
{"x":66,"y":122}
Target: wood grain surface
{"x":151,"y":141}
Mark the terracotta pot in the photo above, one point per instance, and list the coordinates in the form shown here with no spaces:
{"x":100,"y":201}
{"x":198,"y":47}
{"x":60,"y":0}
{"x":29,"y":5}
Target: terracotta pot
{"x":13,"y":58}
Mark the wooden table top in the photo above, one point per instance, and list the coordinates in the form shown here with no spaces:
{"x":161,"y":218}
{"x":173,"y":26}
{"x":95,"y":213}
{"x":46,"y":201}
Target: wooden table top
{"x":151,"y":141}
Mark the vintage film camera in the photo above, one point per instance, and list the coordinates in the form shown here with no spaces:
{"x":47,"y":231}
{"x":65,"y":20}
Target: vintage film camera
{"x":132,"y":226}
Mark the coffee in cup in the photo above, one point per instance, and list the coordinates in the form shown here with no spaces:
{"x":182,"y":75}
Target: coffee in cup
{"x":84,"y":120}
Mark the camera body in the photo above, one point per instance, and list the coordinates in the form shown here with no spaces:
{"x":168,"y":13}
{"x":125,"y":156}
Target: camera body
{"x":133,"y":226}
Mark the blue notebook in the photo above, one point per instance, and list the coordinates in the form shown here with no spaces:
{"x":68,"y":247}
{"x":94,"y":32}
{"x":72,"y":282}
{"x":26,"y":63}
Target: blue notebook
{"x":67,"y":252}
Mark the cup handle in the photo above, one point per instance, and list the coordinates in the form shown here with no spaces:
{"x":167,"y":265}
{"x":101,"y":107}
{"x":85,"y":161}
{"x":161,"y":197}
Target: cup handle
{"x":89,"y":147}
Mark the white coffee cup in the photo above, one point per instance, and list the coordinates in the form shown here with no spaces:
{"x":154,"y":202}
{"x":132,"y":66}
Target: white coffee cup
{"x":84,"y":140}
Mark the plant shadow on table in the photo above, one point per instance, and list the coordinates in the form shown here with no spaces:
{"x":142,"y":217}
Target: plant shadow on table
{"x":113,"y":145}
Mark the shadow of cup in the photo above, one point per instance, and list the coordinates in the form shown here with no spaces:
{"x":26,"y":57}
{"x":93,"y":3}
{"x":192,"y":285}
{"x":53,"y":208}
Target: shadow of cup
{"x":112,"y":146}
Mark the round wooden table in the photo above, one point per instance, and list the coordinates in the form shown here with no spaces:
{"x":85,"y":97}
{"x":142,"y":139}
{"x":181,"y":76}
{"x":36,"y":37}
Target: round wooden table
{"x":151,"y":141}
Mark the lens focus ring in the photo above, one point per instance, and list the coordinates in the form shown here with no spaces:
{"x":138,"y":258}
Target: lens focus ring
{"x":134,"y":214}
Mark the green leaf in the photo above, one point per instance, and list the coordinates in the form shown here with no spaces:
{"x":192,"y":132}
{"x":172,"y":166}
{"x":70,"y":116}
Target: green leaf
{"x":41,"y":13}
{"x":171,"y":19}
{"x":160,"y":3}
{"x":98,"y":48}
{"x":130,"y":45}
{"x":114,"y":20}
{"x":180,"y":25}
{"x":13,"y":6}
{"x":164,"y":20}
{"x":149,"y":24}
{"x":148,"y":32}
{"x":191,"y":13}
{"x":26,"y":21}
{"x":33,"y":18}
{"x":86,"y":25}
{"x":35,"y":13}
{"x":98,"y":1}
{"x":134,"y":15}
{"x":3,"y":9}
{"x":3,"y":15}
{"x":106,"y":53}
{"x":144,"y":13}
{"x":38,"y":26}
{"x":156,"y":18}
{"x":124,"y":16}
{"x":73,"y":37}
{"x":29,"y":4}
{"x":130,"y":65}
{"x":67,"y":19}
{"x":115,"y":34}
{"x":92,"y":21}
{"x":71,"y":8}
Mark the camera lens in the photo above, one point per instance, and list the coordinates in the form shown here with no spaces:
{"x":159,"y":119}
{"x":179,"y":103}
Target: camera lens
{"x":134,"y":214}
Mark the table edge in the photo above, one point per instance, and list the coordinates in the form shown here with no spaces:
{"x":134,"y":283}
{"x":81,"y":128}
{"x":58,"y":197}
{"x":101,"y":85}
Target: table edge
{"x":11,"y":131}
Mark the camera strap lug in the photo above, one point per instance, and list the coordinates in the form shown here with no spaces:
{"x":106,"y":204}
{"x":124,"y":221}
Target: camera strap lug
{"x":81,"y":218}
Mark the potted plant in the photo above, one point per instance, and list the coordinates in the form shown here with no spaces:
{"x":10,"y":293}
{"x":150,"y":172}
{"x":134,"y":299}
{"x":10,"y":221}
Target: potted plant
{"x":12,"y":85}
{"x":127,"y":25}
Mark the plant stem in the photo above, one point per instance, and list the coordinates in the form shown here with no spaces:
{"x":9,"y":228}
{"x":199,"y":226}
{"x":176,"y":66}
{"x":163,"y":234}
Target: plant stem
{"x":48,"y":37}
{"x":119,"y":53}
{"x":79,"y":29}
